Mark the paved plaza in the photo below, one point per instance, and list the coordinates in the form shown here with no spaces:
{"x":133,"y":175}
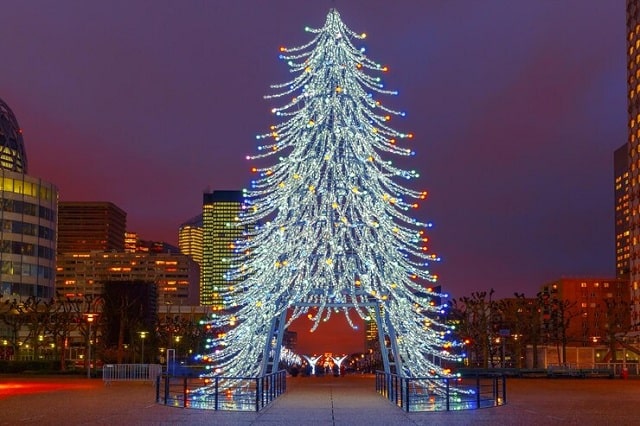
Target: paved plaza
{"x":349,"y":400}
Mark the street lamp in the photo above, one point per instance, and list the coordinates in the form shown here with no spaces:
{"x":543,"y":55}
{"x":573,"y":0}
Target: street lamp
{"x":90,"y":319}
{"x":176,"y":354}
{"x":143,"y":334}
{"x":40,"y":340}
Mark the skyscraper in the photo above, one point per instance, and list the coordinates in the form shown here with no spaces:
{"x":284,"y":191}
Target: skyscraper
{"x":28,"y":212}
{"x":633,"y":109}
{"x":220,"y":210}
{"x":190,"y":238}
{"x":85,"y":226}
{"x":621,"y":194}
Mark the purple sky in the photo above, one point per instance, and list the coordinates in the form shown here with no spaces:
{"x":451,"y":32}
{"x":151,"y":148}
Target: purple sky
{"x":517,"y":107}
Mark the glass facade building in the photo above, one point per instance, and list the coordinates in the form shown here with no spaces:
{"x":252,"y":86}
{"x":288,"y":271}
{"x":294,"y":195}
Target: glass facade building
{"x":13,"y":156}
{"x":190,"y":238}
{"x":621,"y":195}
{"x":28,"y":214}
{"x":220,"y":211}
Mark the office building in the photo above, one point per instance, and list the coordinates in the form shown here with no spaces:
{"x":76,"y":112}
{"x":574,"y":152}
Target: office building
{"x":131,"y":242}
{"x":190,"y":238}
{"x":28,"y":213}
{"x":593,"y":310}
{"x":176,"y":276}
{"x":85,"y":226}
{"x":633,"y":110}
{"x":220,"y":211}
{"x":371,"y":341}
{"x":621,"y":196}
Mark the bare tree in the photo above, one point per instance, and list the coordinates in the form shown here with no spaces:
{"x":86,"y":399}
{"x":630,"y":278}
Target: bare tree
{"x":474,"y":315}
{"x":617,"y":323}
{"x":557,"y":316}
{"x":12,"y":315}
{"x":65,"y":317}
{"x":529,"y":314}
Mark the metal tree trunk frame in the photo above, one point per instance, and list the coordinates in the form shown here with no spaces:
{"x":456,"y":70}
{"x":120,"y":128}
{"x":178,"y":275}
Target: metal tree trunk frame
{"x":391,"y":360}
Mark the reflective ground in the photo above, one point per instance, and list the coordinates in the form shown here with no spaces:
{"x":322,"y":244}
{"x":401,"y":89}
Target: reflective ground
{"x":349,"y":400}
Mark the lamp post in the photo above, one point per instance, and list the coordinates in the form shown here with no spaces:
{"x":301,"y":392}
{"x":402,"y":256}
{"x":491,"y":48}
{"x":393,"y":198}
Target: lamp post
{"x":177,"y":339}
{"x":143,"y":334}
{"x":39,"y":354}
{"x":90,"y":319}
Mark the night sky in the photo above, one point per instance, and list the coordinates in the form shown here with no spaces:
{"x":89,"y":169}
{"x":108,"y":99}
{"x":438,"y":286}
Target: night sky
{"x":516,"y":107}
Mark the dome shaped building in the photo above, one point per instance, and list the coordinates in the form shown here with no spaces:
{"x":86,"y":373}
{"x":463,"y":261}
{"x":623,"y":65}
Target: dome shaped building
{"x":13,"y":155}
{"x":28,"y":214}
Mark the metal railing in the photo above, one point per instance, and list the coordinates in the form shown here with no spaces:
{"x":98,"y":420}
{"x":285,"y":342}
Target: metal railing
{"x":575,"y":370}
{"x":632,"y":368}
{"x":130,"y":372}
{"x":588,"y":370}
{"x":442,"y":393}
{"x":221,"y":393}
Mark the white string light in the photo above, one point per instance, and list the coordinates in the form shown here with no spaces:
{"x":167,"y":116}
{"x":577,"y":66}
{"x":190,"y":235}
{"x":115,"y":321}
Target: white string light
{"x":334,"y":223}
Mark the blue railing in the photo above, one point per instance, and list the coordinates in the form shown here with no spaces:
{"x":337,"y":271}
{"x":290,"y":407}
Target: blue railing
{"x":221,"y":393}
{"x":443,"y":393}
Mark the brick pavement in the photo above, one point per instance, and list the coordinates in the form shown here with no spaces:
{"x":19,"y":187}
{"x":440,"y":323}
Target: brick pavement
{"x":350,"y":400}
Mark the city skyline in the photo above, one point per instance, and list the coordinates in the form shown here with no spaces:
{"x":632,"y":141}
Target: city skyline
{"x":517,"y":110}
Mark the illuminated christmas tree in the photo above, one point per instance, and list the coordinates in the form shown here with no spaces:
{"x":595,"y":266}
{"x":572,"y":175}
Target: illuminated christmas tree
{"x":330,"y":225}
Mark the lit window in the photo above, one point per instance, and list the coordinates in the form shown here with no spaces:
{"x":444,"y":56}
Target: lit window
{"x":583,"y":285}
